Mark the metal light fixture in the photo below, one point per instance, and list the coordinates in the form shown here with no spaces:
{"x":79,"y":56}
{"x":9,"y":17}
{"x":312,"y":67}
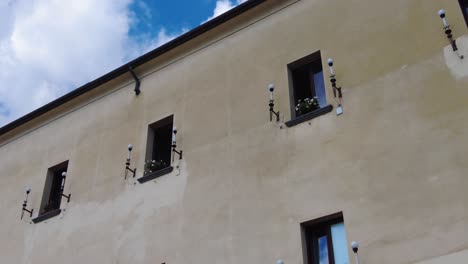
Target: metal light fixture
{"x":336,"y":90}
{"x":355,"y":247}
{"x":64,"y":176}
{"x":174,"y":144}
{"x":271,"y":88}
{"x":127,"y":164}
{"x":279,"y":262}
{"x":448,"y":31}
{"x":25,"y":203}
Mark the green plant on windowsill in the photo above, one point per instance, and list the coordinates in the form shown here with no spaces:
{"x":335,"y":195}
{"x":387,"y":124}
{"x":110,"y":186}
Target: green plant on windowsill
{"x":153,"y":165}
{"x":307,"y":105}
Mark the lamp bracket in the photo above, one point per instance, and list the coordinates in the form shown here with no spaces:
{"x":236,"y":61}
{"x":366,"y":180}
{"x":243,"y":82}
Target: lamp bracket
{"x":272,"y":111}
{"x":67,"y":196}
{"x":174,"y":146}
{"x":336,"y":89}
{"x":30,"y":212}
{"x":453,"y":42}
{"x":127,"y":168}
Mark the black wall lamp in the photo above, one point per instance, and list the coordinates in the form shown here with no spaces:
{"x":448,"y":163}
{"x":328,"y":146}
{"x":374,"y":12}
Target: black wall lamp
{"x":25,"y":203}
{"x":62,"y":188}
{"x":336,"y":90}
{"x":127,"y":164}
{"x":174,"y":144}
{"x":448,"y":31}
{"x":271,"y":88}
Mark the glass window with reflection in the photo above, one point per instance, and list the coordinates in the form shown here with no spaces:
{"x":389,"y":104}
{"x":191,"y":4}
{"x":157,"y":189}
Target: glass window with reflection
{"x":307,"y":85}
{"x":326,"y":241}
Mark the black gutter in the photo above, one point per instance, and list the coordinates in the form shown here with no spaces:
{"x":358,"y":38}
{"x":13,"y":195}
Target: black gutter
{"x":137,"y":81}
{"x":133,"y":64}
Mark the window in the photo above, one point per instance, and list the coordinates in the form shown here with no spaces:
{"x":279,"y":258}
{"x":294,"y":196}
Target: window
{"x":160,"y":141}
{"x":307,"y":89}
{"x":464,"y":7}
{"x":52,"y":195}
{"x":158,"y":149}
{"x":307,"y":82}
{"x":324,"y":241}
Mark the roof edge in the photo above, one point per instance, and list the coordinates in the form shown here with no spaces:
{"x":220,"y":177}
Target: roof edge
{"x":182,"y":39}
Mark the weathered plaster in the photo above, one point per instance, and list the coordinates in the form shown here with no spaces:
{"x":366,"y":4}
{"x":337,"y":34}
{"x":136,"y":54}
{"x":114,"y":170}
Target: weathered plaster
{"x":394,"y":163}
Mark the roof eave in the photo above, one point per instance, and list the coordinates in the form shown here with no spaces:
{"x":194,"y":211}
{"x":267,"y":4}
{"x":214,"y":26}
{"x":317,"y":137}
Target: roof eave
{"x":133,"y":64}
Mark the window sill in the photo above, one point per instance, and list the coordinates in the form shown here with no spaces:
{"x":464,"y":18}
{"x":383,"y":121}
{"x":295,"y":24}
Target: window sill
{"x":156,"y":174}
{"x":46,"y":216}
{"x":309,"y":116}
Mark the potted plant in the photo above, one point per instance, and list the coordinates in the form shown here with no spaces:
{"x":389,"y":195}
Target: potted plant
{"x":153,"y":165}
{"x":307,"y":105}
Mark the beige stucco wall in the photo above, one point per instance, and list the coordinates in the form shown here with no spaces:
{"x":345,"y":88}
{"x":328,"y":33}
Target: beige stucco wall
{"x":394,"y":163}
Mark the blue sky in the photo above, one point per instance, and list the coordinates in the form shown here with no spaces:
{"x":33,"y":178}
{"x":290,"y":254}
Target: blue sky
{"x":173,"y":15}
{"x":50,"y":47}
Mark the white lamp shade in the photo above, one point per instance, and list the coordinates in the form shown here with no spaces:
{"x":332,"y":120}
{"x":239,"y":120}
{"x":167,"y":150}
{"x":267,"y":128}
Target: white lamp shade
{"x":441,"y":12}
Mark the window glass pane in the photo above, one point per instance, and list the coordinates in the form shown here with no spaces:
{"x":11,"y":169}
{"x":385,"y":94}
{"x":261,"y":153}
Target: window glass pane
{"x":162,"y":144}
{"x":323,"y":250}
{"x":340,"y":244}
{"x":320,"y":88}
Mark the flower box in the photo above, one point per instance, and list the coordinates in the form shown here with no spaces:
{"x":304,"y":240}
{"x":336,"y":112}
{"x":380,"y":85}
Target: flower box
{"x":155,"y":174}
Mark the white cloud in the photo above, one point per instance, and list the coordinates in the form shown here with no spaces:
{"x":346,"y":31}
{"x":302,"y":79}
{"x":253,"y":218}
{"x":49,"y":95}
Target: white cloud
{"x":223,"y":6}
{"x":161,"y":38}
{"x":49,"y":47}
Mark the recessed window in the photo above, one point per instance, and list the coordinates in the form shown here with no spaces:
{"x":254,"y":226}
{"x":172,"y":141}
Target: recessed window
{"x":158,"y":149}
{"x":464,"y":7}
{"x":307,"y":86}
{"x":52,"y":195}
{"x":307,"y":89}
{"x":324,"y":241}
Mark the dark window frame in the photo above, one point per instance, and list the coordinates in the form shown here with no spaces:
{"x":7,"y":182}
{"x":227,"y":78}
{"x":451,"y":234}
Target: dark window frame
{"x":52,"y":194}
{"x":310,"y":63}
{"x":464,"y":9}
{"x":312,"y":230}
{"x":163,"y":129}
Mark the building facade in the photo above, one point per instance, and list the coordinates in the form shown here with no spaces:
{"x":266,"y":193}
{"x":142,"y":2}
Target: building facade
{"x":389,"y":172}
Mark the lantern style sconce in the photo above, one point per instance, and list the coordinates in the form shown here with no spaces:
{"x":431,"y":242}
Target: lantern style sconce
{"x":64,"y":176}
{"x":448,"y":31}
{"x":336,"y":90}
{"x":271,"y":88}
{"x":355,"y":247}
{"x":127,"y":164}
{"x":174,"y":144}
{"x":25,"y":203}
